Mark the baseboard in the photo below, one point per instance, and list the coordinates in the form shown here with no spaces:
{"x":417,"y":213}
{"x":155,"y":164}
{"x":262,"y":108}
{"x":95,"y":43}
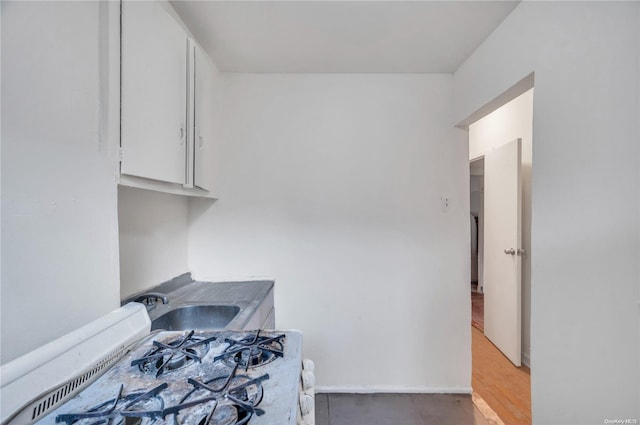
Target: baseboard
{"x":526,"y":359}
{"x":358,"y":389}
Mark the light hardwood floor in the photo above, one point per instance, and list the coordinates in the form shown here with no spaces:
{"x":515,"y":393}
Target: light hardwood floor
{"x":505,"y":388}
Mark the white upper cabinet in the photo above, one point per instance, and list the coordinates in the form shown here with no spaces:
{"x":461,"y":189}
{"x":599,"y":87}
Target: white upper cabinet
{"x":154,"y":93}
{"x":204,"y":126}
{"x":168,"y":104}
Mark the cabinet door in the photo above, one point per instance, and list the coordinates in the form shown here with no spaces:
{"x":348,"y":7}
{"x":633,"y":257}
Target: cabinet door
{"x":204,"y":125}
{"x":154,"y":93}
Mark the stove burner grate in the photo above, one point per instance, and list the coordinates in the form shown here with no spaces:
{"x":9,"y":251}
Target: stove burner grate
{"x":225,"y":400}
{"x":116,"y":411}
{"x":253,"y":351}
{"x":232,"y":400}
{"x":174,"y":354}
{"x":225,"y":397}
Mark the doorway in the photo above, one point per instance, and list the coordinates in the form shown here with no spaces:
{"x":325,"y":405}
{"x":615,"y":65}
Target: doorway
{"x":512,"y":121}
{"x":491,"y":369}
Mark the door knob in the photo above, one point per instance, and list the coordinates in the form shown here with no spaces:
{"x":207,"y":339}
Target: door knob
{"x":510,"y":251}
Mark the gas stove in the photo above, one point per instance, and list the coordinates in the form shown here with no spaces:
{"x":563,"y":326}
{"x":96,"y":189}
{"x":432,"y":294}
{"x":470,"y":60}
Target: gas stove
{"x":195,"y":378}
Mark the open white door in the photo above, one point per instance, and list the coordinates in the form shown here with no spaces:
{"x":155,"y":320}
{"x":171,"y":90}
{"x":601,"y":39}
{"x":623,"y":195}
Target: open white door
{"x":502,"y":249}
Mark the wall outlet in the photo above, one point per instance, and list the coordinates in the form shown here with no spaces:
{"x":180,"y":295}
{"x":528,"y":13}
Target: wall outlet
{"x":444,"y":204}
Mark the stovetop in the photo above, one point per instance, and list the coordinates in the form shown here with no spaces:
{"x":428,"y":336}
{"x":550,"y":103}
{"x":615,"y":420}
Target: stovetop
{"x":195,"y":378}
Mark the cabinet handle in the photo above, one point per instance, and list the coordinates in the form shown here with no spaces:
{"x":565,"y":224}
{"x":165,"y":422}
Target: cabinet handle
{"x":181,"y":135}
{"x":201,"y":142}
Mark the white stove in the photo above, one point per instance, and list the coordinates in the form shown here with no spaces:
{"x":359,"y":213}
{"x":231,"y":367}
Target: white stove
{"x":184,"y":378}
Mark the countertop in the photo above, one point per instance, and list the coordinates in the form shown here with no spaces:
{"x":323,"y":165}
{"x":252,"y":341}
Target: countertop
{"x":183,"y":290}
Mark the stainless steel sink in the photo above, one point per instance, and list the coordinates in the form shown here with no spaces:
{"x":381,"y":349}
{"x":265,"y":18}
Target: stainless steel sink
{"x":196,"y":317}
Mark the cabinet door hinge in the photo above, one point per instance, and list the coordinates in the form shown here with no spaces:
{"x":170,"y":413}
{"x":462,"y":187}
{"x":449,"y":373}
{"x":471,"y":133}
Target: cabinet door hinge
{"x":120,"y":154}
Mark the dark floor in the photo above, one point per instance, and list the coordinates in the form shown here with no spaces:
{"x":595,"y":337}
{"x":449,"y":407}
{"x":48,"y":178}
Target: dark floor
{"x":397,"y":409}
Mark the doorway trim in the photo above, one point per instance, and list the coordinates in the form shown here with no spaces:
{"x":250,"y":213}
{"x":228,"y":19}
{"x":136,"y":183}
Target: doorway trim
{"x":520,"y":87}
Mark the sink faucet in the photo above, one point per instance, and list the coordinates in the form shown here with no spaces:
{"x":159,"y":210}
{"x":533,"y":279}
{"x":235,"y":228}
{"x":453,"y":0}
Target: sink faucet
{"x":150,"y":299}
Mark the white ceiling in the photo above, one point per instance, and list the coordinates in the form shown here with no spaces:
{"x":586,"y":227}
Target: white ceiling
{"x":341,"y":36}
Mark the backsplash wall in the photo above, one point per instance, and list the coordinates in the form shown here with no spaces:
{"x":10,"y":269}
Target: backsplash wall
{"x":153,"y":238}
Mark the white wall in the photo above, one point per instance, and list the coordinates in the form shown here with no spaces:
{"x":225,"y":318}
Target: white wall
{"x":509,"y":122}
{"x":59,"y":216}
{"x":585,"y":348}
{"x":331,"y":185}
{"x":153,"y":238}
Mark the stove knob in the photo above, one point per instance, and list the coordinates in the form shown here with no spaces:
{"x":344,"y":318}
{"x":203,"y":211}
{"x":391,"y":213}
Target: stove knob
{"x":308,"y":380}
{"x":306,"y":404}
{"x":307,"y":364}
